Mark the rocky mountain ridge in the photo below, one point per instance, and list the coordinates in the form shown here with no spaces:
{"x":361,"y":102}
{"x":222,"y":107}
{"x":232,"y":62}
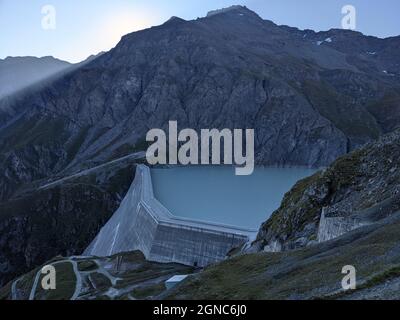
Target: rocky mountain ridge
{"x":17,"y":73}
{"x":308,"y":103}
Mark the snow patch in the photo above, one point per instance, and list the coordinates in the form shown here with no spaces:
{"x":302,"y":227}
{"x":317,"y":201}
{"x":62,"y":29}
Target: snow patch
{"x":328,"y":40}
{"x":389,"y":74}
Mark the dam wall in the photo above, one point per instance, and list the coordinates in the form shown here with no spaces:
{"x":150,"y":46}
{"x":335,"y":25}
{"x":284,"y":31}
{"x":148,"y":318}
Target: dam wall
{"x":143,"y":223}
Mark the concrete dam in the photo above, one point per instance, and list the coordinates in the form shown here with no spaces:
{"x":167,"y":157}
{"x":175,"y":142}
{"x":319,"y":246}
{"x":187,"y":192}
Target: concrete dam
{"x":143,"y":223}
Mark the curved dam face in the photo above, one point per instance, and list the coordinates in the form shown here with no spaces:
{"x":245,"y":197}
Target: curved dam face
{"x":143,"y":223}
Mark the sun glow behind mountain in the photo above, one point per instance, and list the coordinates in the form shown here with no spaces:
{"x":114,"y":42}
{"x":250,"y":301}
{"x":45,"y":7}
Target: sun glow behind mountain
{"x":122,"y":23}
{"x":87,"y":27}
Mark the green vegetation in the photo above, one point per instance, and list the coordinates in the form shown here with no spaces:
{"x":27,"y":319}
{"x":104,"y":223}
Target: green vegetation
{"x":372,"y":282}
{"x":309,"y":273}
{"x":149,"y":291}
{"x":87,"y":265}
{"x":382,"y":277}
{"x":5,"y":292}
{"x":303,"y":203}
{"x":232,"y":279}
{"x":73,"y":147}
{"x":66,"y":283}
{"x":295,"y":209}
{"x":345,"y":170}
{"x":35,"y":131}
{"x":385,"y":110}
{"x":335,"y":107}
{"x":100,"y":281}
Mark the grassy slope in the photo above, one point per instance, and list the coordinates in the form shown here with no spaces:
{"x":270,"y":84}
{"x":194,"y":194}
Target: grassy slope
{"x":310,"y":273}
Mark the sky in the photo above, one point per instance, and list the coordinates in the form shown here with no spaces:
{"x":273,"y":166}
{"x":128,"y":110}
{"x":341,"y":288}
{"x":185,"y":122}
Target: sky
{"x":86,"y":27}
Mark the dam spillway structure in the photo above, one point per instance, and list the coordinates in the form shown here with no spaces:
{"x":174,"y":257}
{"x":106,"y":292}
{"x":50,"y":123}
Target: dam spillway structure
{"x":143,"y":223}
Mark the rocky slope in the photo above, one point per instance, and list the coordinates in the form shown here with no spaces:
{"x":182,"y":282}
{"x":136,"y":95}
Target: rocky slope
{"x":61,"y":218}
{"x":309,"y":101}
{"x":357,"y":189}
{"x":314,"y":272}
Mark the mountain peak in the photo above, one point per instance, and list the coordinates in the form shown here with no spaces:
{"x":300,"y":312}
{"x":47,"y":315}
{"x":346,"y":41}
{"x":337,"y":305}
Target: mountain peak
{"x":228,"y":9}
{"x":174,"y":20}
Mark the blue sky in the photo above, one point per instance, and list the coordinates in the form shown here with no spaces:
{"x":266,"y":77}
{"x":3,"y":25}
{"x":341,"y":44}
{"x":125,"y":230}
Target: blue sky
{"x":85,"y":27}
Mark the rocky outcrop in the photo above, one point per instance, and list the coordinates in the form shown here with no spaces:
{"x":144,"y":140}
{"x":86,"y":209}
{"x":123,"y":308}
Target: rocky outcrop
{"x":356,"y":190}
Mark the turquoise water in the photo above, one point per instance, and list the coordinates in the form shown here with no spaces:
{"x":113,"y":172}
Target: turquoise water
{"x":216,"y":194}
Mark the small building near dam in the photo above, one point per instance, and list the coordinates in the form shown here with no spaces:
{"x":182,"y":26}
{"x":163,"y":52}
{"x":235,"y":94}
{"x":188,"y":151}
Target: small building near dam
{"x":143,"y":223}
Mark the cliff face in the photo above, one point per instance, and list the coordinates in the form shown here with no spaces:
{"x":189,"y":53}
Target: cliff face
{"x":308,"y":102}
{"x":356,"y":190}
